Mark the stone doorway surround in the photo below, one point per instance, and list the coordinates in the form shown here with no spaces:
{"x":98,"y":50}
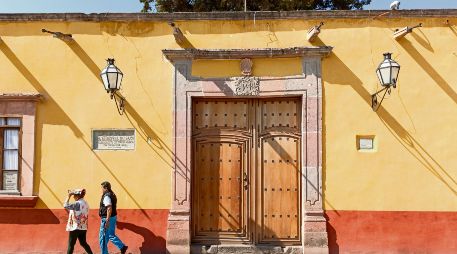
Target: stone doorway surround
{"x":307,"y":85}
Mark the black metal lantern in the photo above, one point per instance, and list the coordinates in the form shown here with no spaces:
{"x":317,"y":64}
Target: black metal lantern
{"x":111,"y":77}
{"x":112,"y":80}
{"x":387,"y":73}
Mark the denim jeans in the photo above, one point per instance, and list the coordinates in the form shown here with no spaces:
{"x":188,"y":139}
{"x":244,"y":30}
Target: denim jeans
{"x":109,"y":235}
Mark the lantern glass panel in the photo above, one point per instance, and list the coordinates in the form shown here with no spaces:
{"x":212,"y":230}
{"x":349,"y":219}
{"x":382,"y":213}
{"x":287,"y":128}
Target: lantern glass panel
{"x":112,"y":78}
{"x":385,"y":75}
{"x":395,"y":71}
{"x":119,"y":80}
{"x":105,"y":80}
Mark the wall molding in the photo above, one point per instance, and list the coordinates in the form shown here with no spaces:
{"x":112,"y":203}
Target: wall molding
{"x":218,"y":54}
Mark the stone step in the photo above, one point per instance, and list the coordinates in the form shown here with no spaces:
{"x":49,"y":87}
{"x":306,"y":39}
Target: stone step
{"x":245,"y":249}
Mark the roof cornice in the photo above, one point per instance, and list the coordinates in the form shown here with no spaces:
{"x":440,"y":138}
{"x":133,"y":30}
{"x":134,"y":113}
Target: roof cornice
{"x":21,"y":97}
{"x":261,"y":15}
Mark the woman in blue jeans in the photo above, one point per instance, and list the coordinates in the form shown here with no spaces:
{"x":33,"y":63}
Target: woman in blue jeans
{"x":108,"y":214}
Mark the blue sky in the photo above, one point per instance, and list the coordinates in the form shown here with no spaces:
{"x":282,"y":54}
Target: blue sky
{"x":413,"y":4}
{"x":90,"y":6}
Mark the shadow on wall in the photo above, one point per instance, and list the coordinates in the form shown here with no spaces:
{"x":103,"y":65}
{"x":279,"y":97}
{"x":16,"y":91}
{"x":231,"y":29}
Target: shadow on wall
{"x":428,"y":68}
{"x":341,"y":74}
{"x":151,"y":242}
{"x":331,"y":232}
{"x":344,"y":76}
{"x":59,"y":117}
{"x":85,"y":58}
{"x":333,"y":246}
{"x":23,"y":216}
{"x":142,"y":236}
{"x":123,"y":29}
{"x":160,"y":28}
{"x":154,"y":142}
{"x":422,"y":39}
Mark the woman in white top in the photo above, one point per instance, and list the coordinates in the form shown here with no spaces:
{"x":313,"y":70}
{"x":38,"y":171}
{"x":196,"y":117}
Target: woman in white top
{"x":77,"y":220}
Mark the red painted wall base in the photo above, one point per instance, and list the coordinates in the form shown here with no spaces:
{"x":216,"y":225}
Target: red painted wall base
{"x":43,"y":231}
{"x":144,"y":231}
{"x":392,"y":232}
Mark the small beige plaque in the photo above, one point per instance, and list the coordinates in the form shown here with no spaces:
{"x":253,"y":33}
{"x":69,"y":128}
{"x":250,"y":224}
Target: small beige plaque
{"x":366,"y":143}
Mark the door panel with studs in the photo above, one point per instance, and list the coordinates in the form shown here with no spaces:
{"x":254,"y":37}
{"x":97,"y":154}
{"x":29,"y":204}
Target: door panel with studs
{"x":219,"y":194}
{"x":280,"y":188}
{"x":222,"y":138}
{"x":279,"y":171}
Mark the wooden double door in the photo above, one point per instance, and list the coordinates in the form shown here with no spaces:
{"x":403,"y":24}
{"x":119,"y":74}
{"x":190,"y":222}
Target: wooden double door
{"x":246,"y":182}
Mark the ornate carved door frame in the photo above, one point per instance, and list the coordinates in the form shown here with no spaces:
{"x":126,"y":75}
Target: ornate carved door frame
{"x":308,"y":86}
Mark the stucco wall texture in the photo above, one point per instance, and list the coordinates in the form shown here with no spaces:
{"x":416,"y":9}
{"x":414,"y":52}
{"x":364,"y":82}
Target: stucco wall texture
{"x":412,"y":171}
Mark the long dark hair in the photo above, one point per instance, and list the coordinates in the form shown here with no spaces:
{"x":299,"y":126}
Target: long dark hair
{"x":107,"y":186}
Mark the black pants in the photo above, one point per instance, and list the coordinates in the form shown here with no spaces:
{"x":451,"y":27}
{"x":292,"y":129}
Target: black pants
{"x":81,"y":236}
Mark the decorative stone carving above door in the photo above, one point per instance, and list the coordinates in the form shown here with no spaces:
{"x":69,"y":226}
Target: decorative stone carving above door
{"x":247,"y":85}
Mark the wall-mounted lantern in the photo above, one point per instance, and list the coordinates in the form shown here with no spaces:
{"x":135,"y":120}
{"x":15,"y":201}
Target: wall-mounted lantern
{"x":112,"y":80}
{"x":388,"y":75}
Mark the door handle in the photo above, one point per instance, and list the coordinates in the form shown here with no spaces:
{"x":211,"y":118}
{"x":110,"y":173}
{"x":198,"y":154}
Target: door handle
{"x":245,"y":181}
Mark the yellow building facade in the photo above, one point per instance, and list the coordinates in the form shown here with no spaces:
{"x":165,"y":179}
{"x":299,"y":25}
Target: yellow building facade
{"x":398,"y":196}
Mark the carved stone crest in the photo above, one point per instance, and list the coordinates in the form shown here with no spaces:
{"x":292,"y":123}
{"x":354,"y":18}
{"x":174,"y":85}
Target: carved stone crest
{"x":247,"y":85}
{"x":246,"y":67}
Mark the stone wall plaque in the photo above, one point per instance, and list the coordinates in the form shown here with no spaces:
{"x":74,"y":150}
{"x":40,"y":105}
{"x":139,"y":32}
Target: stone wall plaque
{"x":113,"y":139}
{"x":10,"y":180}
